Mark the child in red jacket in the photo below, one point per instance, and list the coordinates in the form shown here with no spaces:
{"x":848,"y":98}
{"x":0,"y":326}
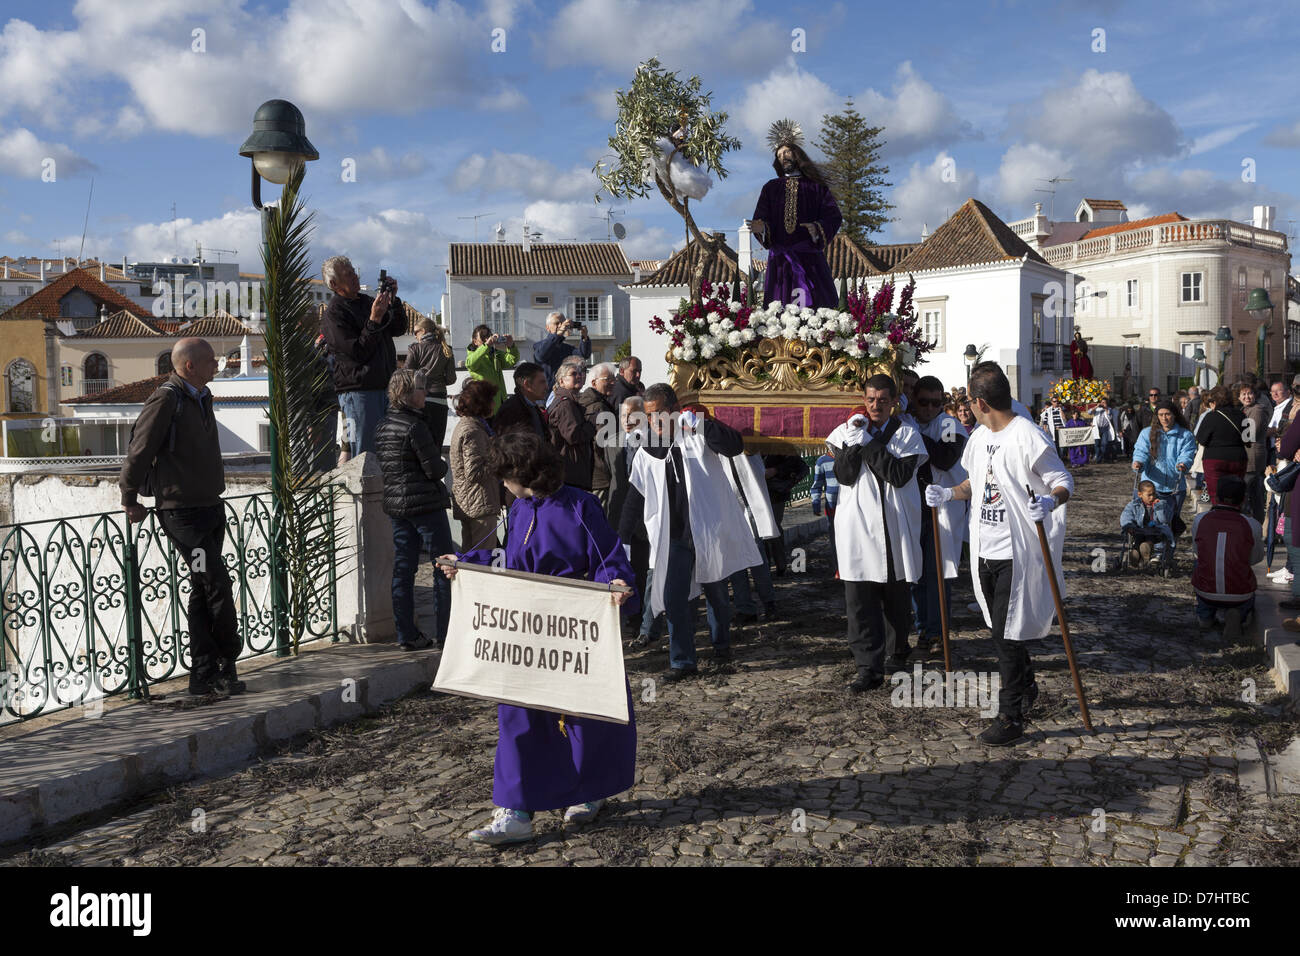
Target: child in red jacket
{"x":1228,"y":545}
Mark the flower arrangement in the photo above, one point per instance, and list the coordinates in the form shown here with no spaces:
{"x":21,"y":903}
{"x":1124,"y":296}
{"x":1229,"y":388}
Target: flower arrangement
{"x":1079,"y":391}
{"x":719,"y":325}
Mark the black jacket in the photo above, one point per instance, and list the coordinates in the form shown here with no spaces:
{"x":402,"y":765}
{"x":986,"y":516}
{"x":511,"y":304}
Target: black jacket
{"x":364,"y":355}
{"x":189,"y":475}
{"x":623,"y":391}
{"x":1220,"y":433}
{"x":518,"y":412}
{"x":413,"y":469}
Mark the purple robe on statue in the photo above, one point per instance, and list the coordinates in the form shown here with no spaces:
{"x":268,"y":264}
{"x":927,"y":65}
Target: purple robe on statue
{"x":539,"y":766}
{"x":1078,"y":453}
{"x":796,"y":259}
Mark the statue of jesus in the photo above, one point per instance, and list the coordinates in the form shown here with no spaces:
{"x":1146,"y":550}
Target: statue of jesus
{"x":795,"y":219}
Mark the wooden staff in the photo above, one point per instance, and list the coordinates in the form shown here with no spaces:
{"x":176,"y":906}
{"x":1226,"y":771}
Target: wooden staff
{"x":943,"y":597}
{"x":1060,"y":616}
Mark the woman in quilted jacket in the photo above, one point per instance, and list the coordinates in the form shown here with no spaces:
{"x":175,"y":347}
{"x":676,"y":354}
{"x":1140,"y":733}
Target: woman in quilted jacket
{"x":475,"y":490}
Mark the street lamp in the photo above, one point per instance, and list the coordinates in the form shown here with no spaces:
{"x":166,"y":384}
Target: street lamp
{"x":1223,"y":338}
{"x":1198,"y":359}
{"x":1260,"y":307}
{"x":970,"y":357}
{"x":277,"y":146}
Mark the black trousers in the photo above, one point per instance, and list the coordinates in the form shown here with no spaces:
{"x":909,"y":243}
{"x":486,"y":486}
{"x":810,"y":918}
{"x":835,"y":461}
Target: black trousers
{"x":215,"y":642}
{"x":776,"y":546}
{"x":435,"y":414}
{"x":867,"y":605}
{"x":1015,"y":668}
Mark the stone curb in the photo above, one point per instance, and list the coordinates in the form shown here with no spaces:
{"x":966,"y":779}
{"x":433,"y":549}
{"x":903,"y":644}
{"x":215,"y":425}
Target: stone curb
{"x":53,"y":776}
{"x":1280,"y":647}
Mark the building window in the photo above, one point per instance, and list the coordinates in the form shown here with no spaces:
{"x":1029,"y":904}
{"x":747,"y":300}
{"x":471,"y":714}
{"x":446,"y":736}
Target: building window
{"x":94,"y":374}
{"x":932,"y":327}
{"x":1131,"y":287}
{"x":542,"y":301}
{"x":1241,"y":288}
{"x":1035,"y":348}
{"x":263,"y":437}
{"x":499,"y":311}
{"x":1081,"y":296}
{"x":165,"y":363}
{"x":586,"y":309}
{"x":1192,"y":286}
{"x":593,"y":311}
{"x":25,"y":290}
{"x":20,"y":382}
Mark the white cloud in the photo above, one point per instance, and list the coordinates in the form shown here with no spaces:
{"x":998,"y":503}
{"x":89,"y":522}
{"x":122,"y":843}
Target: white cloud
{"x":787,"y":91}
{"x":520,"y":173}
{"x":1219,"y":137}
{"x":687,"y":35}
{"x":1101,"y":121}
{"x":929,"y":195}
{"x":378,"y":166}
{"x":915,"y":117}
{"x":332,"y":58}
{"x":1023,"y":171}
{"x":1198,"y":193}
{"x":1286,"y":136}
{"x":23,"y":155}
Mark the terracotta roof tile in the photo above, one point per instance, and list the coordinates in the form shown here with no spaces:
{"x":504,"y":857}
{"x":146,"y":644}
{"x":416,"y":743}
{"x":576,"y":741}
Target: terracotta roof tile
{"x":218,"y":325}
{"x":1105,"y":204}
{"x":119,"y":325}
{"x":506,"y":259}
{"x":133,"y":393}
{"x":46,"y":300}
{"x":1135,"y":224}
{"x":848,"y":260}
{"x":679,"y":269}
{"x":973,"y":234}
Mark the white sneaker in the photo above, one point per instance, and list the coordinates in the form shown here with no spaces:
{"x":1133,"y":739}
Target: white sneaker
{"x":583,"y":812}
{"x":507,"y":826}
{"x":1282,"y":576}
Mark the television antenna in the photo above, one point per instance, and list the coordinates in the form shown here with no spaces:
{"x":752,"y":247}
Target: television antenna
{"x":1055,"y":181}
{"x":198,"y":251}
{"x":612,"y":228}
{"x":482,"y":215}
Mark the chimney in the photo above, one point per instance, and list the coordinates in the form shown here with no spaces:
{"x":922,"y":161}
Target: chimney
{"x":925,"y":231}
{"x":124,"y":265}
{"x":42,"y":270}
{"x":1263,"y":217}
{"x":6,"y":270}
{"x":245,"y":357}
{"x":102,"y":273}
{"x":636,"y":273}
{"x":527,"y":242}
{"x":744,"y":248}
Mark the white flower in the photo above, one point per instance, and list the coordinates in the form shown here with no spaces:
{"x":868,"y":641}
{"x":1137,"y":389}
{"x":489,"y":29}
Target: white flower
{"x":852,"y":349}
{"x":747,"y":335}
{"x":790,"y":333}
{"x":792,"y":308}
{"x":734,"y":338}
{"x":838,"y":344}
{"x":907,"y":355}
{"x":874,"y":349}
{"x":708,"y":350}
{"x":727,"y":324}
{"x":734,"y":306}
{"x":774,"y":306}
{"x":679,"y":352}
{"x":814,"y":321}
{"x":688,"y":355}
{"x":715,"y":329}
{"x":791,"y":319}
{"x":713,"y":317}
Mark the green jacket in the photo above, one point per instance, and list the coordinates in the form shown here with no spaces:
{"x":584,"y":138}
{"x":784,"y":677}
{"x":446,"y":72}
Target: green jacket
{"x":486,"y":362}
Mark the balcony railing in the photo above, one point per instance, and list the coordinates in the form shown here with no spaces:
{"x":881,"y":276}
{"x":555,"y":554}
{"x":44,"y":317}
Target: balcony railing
{"x":1052,"y":357}
{"x":95,"y":386}
{"x":1223,"y":231}
{"x":93,"y":607}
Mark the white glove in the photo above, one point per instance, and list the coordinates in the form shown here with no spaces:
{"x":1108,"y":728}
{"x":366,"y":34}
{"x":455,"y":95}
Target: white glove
{"x":1041,"y":507}
{"x":627,"y":549}
{"x":858,"y":421}
{"x":936,"y":495}
{"x":688,"y":420}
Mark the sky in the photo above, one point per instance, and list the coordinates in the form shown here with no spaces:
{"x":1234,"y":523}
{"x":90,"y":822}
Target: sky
{"x":1185,"y":106}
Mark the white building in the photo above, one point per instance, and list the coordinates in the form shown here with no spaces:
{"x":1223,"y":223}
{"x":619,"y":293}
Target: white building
{"x":977,"y":284}
{"x":511,"y":287}
{"x":1149,"y":293}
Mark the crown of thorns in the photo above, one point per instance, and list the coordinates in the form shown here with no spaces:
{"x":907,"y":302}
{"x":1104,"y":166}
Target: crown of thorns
{"x":784,"y":132}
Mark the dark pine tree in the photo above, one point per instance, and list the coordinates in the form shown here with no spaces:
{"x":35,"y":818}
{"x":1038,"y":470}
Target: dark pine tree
{"x":854,"y":172}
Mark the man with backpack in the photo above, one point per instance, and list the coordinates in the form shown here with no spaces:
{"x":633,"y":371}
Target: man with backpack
{"x":174,"y":457}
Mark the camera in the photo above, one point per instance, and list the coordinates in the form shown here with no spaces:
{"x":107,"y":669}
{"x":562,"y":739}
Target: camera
{"x":386,"y":284}
{"x":576,"y":326}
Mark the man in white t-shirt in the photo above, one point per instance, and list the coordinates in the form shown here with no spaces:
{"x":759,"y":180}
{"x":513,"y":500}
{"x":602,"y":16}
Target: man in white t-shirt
{"x":1004,"y":459}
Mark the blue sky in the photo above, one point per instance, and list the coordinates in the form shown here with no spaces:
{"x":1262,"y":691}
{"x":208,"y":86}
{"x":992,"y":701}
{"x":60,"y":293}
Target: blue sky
{"x":977,"y":99}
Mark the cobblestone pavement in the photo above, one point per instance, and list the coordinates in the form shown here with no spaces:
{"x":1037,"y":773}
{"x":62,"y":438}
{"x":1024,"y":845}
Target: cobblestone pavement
{"x":769,"y":760}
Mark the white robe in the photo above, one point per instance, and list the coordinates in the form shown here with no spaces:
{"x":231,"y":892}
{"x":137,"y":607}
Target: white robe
{"x":952,"y":514}
{"x":758,"y":503}
{"x":859,"y":530}
{"x":1031,"y":609}
{"x":724,"y":543}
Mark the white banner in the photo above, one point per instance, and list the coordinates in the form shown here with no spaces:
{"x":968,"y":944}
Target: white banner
{"x":1078,"y":435}
{"x":534,"y":641}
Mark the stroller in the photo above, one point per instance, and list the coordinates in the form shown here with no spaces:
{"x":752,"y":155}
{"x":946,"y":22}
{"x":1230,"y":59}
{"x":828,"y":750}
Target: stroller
{"x":1130,"y":541}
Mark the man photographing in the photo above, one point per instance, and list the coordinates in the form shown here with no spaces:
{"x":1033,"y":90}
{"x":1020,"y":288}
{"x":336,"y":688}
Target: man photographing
{"x":359,"y":331}
{"x":1004,"y":459}
{"x":552,"y":350}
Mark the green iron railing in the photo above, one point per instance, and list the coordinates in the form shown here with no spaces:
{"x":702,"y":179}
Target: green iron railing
{"x":93,"y":607}
{"x":804,"y":488}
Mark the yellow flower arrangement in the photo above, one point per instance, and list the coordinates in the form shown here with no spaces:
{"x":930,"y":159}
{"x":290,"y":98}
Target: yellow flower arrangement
{"x":1079,"y":391}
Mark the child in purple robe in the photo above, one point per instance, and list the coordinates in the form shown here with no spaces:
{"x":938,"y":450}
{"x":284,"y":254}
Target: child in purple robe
{"x":548,"y":761}
{"x":1078,"y":453}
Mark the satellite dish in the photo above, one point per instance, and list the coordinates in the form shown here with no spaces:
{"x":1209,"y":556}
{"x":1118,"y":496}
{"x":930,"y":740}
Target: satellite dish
{"x":620,"y":231}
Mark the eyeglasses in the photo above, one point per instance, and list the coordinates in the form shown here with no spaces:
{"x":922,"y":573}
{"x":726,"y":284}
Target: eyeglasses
{"x":1153,"y":395}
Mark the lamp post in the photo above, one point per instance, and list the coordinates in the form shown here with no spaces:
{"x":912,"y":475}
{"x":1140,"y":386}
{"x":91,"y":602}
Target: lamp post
{"x":1260,"y":307}
{"x":970,"y":357}
{"x":1223,"y":338}
{"x":1198,"y":357}
{"x":276,"y":147}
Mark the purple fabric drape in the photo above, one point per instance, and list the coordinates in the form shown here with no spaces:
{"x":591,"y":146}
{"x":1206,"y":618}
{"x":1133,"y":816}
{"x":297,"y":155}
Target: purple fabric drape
{"x":795,"y":259}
